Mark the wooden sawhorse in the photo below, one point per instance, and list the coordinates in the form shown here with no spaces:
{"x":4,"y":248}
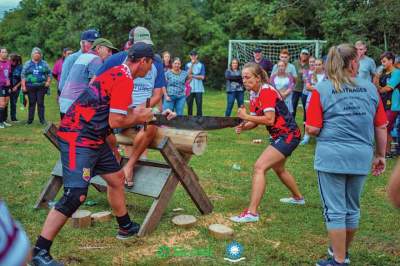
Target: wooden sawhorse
{"x":152,"y":179}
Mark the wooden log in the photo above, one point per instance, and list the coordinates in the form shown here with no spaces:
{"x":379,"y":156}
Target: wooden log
{"x":81,"y":219}
{"x":220,"y":231}
{"x":100,"y":217}
{"x":184,"y":220}
{"x":186,"y":141}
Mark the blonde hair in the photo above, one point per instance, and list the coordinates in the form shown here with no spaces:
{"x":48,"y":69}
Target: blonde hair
{"x":338,"y":63}
{"x":256,"y":70}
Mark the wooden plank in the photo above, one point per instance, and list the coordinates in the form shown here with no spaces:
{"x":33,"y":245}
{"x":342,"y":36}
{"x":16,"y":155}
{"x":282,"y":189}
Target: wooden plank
{"x":148,"y":180}
{"x":49,"y":192}
{"x":158,"y":207}
{"x":51,"y":134}
{"x":186,"y":175}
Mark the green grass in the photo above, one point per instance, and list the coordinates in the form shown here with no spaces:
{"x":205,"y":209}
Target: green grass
{"x":286,"y":235}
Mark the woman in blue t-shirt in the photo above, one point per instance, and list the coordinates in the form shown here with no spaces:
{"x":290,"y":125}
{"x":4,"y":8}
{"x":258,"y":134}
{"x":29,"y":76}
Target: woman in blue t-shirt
{"x":174,"y":94}
{"x":234,"y":86}
{"x":35,"y":79}
{"x":346,"y":115}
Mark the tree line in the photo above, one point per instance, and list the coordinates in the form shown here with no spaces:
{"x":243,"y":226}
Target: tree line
{"x":206,"y":25}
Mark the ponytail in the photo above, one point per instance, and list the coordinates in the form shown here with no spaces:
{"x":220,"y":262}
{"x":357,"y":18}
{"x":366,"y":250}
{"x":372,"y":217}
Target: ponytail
{"x":338,"y":63}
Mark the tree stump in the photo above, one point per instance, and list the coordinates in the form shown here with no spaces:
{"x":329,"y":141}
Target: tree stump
{"x":184,"y":220}
{"x":220,"y":231}
{"x":81,"y":219}
{"x":100,"y":217}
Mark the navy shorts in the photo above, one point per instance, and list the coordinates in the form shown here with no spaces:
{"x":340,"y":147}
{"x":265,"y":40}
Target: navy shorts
{"x":89,"y":162}
{"x":4,"y":91}
{"x":286,"y":144}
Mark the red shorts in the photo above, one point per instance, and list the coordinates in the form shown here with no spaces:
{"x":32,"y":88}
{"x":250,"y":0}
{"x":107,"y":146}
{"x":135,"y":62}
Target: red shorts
{"x":391,"y":117}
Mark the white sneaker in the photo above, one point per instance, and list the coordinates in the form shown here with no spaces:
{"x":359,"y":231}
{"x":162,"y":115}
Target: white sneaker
{"x":7,"y":124}
{"x":2,"y":125}
{"x":245,"y":217}
{"x":292,"y":200}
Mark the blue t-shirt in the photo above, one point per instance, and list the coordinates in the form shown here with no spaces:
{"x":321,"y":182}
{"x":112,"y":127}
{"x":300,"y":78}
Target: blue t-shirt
{"x":197,"y":70}
{"x":176,"y":83}
{"x":66,"y":68}
{"x":35,"y":74}
{"x":345,"y":143}
{"x":143,"y":87}
{"x":81,"y":73}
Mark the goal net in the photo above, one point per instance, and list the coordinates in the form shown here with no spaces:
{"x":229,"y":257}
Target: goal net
{"x":243,"y":49}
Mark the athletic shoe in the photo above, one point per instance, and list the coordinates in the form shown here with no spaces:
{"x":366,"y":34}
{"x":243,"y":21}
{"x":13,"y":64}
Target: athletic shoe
{"x":128,"y":233}
{"x":292,"y":200}
{"x":330,"y":253}
{"x":330,"y":262}
{"x":44,"y":122}
{"x":245,"y":217}
{"x":7,"y":124}
{"x":2,"y":125}
{"x":305,"y":140}
{"x":43,"y":258}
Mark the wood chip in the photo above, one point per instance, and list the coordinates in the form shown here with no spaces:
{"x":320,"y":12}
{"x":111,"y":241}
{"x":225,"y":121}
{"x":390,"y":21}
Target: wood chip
{"x":100,"y":217}
{"x":81,"y":219}
{"x":221,"y":231}
{"x":184,"y":220}
{"x":178,"y":210}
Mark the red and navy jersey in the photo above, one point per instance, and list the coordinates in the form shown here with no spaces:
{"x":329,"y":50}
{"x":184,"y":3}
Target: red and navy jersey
{"x":86,"y":122}
{"x":269,"y":99}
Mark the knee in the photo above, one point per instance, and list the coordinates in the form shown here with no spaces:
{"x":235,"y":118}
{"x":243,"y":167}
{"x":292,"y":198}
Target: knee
{"x":71,"y":200}
{"x":117,"y":181}
{"x":279,"y":171}
{"x":259,"y":168}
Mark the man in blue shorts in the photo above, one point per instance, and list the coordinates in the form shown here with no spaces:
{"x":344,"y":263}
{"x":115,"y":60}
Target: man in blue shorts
{"x":149,"y":86}
{"x":85,"y":153}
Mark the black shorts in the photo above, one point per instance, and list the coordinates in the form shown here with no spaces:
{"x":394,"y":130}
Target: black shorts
{"x":286,"y":144}
{"x":5,"y":91}
{"x":88,"y":162}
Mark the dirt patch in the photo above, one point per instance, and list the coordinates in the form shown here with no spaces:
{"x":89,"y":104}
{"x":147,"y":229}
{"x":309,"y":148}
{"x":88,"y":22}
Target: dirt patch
{"x":381,"y":191}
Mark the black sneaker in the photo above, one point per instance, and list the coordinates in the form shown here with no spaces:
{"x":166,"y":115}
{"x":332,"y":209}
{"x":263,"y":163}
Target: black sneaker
{"x":43,"y":258}
{"x":43,"y":122}
{"x":128,"y":233}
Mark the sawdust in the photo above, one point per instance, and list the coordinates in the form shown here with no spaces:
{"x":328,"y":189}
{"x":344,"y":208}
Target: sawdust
{"x":381,"y":191}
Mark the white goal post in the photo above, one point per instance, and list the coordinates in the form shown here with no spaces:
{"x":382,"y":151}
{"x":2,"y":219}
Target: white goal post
{"x":243,"y":49}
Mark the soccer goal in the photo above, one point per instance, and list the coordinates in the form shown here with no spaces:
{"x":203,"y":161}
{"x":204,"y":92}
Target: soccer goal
{"x":243,"y":49}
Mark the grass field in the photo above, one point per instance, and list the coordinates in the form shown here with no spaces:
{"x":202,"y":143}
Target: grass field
{"x":286,"y":235}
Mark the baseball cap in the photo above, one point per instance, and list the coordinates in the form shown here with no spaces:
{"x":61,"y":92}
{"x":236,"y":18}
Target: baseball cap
{"x":257,"y":50}
{"x":103,"y":42}
{"x":193,"y":52}
{"x":140,"y":34}
{"x":304,"y":51}
{"x":140,"y":50}
{"x":90,"y":35}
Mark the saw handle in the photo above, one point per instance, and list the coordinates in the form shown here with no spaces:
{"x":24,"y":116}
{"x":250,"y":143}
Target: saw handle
{"x":147,"y":106}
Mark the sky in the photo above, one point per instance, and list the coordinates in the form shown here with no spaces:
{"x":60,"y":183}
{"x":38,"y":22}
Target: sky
{"x":6,"y":5}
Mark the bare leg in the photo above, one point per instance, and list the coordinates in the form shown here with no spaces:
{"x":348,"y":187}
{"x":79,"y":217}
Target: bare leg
{"x":394,"y":186}
{"x":140,"y":144}
{"x":115,"y":192}
{"x":349,"y":237}
{"x":287,"y":179}
{"x":338,"y":242}
{"x":54,"y":222}
{"x":267,"y":159}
